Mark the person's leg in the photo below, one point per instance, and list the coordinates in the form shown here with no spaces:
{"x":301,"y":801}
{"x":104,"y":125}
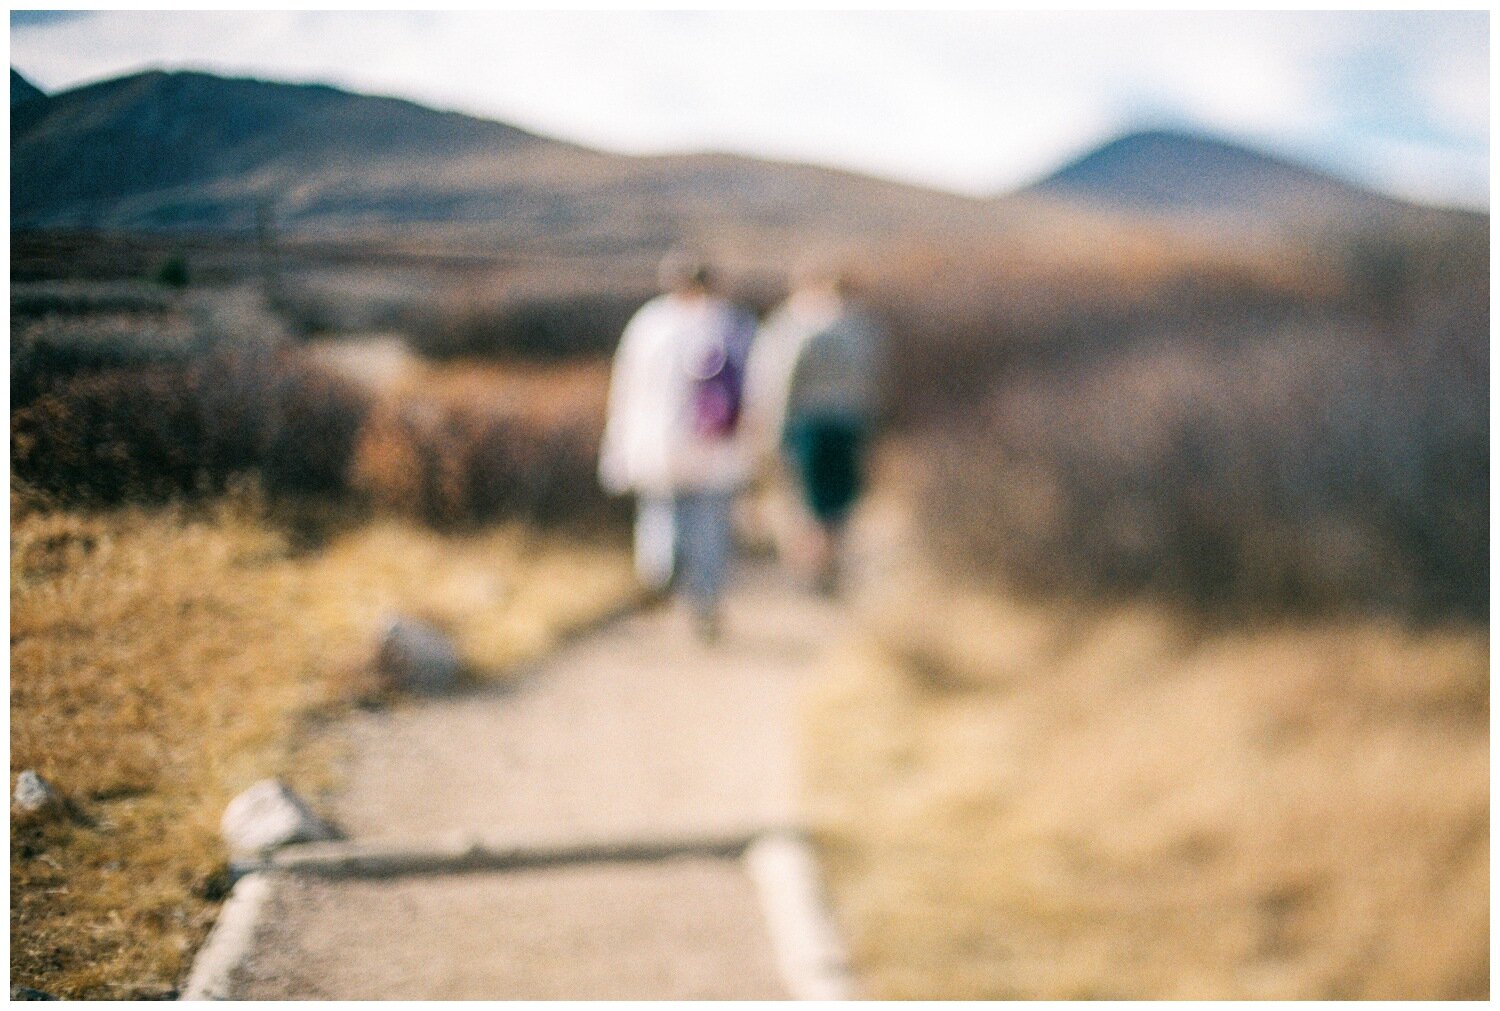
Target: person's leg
{"x":836,"y":477}
{"x":655,"y":541}
{"x":798,"y":449}
{"x":706,"y":548}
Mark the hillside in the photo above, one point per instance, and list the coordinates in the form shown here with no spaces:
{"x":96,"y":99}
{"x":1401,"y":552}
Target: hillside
{"x":158,"y":149}
{"x":192,"y":151}
{"x":22,"y":90}
{"x":1183,"y":174}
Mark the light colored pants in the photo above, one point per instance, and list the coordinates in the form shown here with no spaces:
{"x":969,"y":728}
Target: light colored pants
{"x":655,"y":540}
{"x":687,"y":535}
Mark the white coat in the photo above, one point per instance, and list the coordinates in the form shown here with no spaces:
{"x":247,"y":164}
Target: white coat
{"x":651,"y":443}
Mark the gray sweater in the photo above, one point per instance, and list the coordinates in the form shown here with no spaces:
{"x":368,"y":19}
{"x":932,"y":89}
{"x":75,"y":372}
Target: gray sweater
{"x":813,"y":356}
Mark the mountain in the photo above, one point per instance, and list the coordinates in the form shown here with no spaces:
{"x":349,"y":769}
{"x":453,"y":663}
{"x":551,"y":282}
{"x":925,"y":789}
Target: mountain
{"x":1167,"y":172}
{"x":133,"y":151}
{"x":193,"y":151}
{"x":176,"y":152}
{"x":22,"y":90}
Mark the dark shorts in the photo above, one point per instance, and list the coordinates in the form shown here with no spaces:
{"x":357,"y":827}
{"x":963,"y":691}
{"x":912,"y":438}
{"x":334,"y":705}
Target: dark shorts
{"x":824,"y":450}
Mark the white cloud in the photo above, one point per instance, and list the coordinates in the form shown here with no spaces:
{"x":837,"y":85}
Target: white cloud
{"x":1426,"y":172}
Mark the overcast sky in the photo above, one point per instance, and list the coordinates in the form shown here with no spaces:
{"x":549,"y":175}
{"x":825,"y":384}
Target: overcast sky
{"x":978,"y":102}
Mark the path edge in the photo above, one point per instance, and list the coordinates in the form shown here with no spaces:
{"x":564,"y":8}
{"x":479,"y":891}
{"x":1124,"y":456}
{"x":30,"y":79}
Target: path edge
{"x":813,"y":960}
{"x":229,"y":941}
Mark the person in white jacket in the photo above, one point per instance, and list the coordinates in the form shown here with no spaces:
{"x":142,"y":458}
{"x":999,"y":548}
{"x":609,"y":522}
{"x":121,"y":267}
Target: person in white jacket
{"x":672,"y":435}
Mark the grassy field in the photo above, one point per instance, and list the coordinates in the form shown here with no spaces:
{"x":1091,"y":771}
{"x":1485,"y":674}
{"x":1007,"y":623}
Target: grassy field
{"x":165,"y":657}
{"x":1203,"y":712}
{"x":1177,"y":681}
{"x":214,"y":522}
{"x":1025,"y":801}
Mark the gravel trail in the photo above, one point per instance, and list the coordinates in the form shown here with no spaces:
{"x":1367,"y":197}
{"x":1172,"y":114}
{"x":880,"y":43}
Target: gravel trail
{"x":634,"y":731}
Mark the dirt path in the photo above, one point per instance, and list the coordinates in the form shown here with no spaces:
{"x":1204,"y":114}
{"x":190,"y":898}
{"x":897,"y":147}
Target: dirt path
{"x":634,"y":734}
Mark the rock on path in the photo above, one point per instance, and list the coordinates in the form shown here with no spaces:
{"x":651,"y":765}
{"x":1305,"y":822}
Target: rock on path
{"x":634,"y":731}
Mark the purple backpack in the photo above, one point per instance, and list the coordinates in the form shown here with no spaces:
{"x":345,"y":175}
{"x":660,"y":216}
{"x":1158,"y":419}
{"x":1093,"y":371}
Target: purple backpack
{"x":719,"y":391}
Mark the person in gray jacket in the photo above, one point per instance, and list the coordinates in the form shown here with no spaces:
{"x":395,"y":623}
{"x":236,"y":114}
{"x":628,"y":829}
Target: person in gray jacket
{"x":811,"y":390}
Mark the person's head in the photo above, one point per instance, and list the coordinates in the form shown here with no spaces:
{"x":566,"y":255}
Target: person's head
{"x":686,"y":272}
{"x":823,"y":278}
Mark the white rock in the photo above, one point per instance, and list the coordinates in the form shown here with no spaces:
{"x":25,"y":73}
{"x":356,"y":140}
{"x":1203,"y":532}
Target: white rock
{"x":34,"y":795}
{"x":268,"y":815}
{"x":416,"y":657}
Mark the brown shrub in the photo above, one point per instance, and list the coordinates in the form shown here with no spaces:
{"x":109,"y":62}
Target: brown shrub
{"x":1227,"y":444}
{"x":457,"y":465}
{"x":53,"y":347}
{"x":454,"y":446}
{"x":959,"y":319}
{"x":1311,"y":471}
{"x":539,"y":325}
{"x":110,"y":436}
{"x":152,"y":432}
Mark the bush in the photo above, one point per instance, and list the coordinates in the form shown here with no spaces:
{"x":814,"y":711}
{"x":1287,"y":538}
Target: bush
{"x":126,"y":433}
{"x":456,"y":466}
{"x":157,"y":431}
{"x":1221,"y":436}
{"x":1313,"y":470}
{"x":522,"y":325}
{"x":959,"y":322}
{"x":310,"y":307}
{"x":56,"y":347}
{"x":80,"y":298}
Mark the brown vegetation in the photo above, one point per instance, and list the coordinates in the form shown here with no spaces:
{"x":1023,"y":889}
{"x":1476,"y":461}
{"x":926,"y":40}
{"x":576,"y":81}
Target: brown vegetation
{"x":163,"y":658}
{"x":539,"y":325}
{"x":1025,"y":801}
{"x":1204,"y":713}
{"x":1306,"y":473}
{"x":459,"y":467}
{"x":1236,"y":462}
{"x":175,"y":637}
{"x":147,"y":433}
{"x":963,"y":317}
{"x":57,"y":334}
{"x":1204,"y":710}
{"x":455,"y":445}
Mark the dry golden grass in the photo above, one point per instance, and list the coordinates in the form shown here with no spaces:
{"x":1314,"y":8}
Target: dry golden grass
{"x":162,"y":659}
{"x":1019,"y":802}
{"x":545,"y":392}
{"x":504,"y":594}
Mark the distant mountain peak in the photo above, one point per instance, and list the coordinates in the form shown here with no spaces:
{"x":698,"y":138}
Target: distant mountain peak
{"x":22,"y":90}
{"x":1174,"y":171}
{"x":179,"y":138}
{"x":185,"y":150}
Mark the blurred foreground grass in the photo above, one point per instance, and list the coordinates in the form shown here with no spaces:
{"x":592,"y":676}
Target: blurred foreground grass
{"x":1026,"y":801}
{"x":163,"y":658}
{"x":1183,"y":691}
